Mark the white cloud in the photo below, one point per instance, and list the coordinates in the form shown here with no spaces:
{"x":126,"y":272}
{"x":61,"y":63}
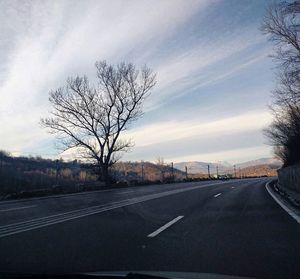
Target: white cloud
{"x":162,"y":132}
{"x":179,"y":74}
{"x":232,"y":156}
{"x":63,"y":38}
{"x":51,"y":40}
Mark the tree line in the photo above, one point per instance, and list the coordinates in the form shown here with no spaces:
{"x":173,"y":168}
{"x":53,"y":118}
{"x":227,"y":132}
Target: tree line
{"x":282,"y":26}
{"x":36,"y":176}
{"x":19,"y":174}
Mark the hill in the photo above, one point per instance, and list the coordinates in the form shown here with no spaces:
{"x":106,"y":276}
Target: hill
{"x":146,"y":171}
{"x":224,"y":167}
{"x":262,"y":161}
{"x":259,"y":170}
{"x":25,"y":174}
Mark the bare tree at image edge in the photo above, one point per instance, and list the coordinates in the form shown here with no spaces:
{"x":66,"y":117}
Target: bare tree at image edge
{"x":282,"y":26}
{"x":90,"y":119}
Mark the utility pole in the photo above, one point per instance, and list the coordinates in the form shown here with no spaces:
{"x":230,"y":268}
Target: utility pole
{"x":240,"y":173}
{"x":1,"y":162}
{"x":41,"y":177}
{"x":56,"y":173}
{"x":234,"y":171}
{"x":208,"y":171}
{"x":142,"y":171}
{"x":186,"y":173}
{"x":217,"y":172}
{"x":172,"y":170}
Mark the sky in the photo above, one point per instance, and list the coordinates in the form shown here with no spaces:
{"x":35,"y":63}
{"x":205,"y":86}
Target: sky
{"x":214,"y":73}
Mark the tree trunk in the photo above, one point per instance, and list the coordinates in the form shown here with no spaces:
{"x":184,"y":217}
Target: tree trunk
{"x":104,"y":175}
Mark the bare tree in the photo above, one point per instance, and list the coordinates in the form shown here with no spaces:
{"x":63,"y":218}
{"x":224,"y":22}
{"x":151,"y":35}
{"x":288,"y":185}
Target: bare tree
{"x":284,"y":135}
{"x":91,"y":118}
{"x":160,"y":161}
{"x":282,"y":25}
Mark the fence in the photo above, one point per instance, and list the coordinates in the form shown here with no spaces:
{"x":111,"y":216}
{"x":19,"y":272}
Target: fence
{"x":289,"y":177}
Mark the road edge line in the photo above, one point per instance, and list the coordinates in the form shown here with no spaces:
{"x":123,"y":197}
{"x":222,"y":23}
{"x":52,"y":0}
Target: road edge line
{"x":290,"y":211}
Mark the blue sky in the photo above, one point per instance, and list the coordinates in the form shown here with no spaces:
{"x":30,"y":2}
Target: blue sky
{"x":212,"y":62}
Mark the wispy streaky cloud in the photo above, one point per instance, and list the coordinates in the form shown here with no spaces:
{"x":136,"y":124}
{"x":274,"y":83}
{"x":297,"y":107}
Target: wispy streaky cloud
{"x":193,"y":46}
{"x":232,"y":156}
{"x":204,"y":65}
{"x":163,"y":132}
{"x":63,"y":38}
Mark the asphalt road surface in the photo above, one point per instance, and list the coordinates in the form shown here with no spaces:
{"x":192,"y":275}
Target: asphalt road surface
{"x":225,"y":227}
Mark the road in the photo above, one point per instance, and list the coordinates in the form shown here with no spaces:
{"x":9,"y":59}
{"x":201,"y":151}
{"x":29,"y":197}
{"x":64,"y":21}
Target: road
{"x":225,"y":227}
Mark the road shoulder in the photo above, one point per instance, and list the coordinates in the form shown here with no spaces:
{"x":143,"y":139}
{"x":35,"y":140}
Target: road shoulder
{"x":285,"y":205}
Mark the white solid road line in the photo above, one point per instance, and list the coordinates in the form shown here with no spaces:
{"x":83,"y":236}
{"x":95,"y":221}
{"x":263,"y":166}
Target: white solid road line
{"x":287,"y":209}
{"x":164,"y":227}
{"x":16,"y":208}
{"x":217,"y":195}
{"x":232,"y":187}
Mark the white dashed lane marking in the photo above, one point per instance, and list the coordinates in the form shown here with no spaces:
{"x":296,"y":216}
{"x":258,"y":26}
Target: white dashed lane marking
{"x":164,"y":227}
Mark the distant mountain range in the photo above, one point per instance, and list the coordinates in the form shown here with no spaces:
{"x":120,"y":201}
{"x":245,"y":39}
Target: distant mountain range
{"x":223,"y":166}
{"x":263,"y":161}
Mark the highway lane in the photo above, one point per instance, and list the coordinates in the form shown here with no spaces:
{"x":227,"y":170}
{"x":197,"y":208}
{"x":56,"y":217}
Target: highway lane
{"x":230,"y":228}
{"x":27,"y":209}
